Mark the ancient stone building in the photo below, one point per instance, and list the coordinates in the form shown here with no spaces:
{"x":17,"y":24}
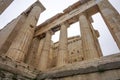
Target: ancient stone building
{"x":28,"y":53}
{"x":4,"y":4}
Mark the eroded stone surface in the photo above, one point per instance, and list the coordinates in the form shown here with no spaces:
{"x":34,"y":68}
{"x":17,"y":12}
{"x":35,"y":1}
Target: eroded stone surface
{"x":98,"y":66}
{"x":27,"y":50}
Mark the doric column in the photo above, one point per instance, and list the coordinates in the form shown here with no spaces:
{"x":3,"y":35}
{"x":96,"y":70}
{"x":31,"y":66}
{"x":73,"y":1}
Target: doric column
{"x":96,"y":35}
{"x":39,"y":52}
{"x":32,"y":52}
{"x":89,"y":48}
{"x":19,"y":46}
{"x":45,"y":51}
{"x":9,"y":33}
{"x":63,"y":45}
{"x":111,"y":17}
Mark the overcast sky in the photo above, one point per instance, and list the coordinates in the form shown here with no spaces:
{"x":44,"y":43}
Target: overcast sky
{"x":56,"y":6}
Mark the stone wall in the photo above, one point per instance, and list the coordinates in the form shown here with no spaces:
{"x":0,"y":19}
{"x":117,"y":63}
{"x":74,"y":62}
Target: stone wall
{"x":105,"y":68}
{"x":106,"y":75}
{"x":75,"y":50}
{"x":75,"y":53}
{"x":10,"y":70}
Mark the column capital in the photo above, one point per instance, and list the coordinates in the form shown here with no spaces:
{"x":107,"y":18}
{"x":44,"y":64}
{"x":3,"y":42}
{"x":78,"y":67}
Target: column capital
{"x":91,"y":19}
{"x":86,"y":14}
{"x":97,"y":33}
{"x":50,"y":32}
{"x":65,"y":23}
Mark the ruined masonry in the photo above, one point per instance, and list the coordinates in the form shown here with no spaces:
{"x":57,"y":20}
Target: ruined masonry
{"x":4,"y":4}
{"x":28,"y":53}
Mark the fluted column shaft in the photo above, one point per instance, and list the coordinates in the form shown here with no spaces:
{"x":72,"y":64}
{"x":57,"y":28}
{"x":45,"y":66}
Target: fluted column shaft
{"x":32,"y":52}
{"x":19,"y":46}
{"x":89,"y":48}
{"x":39,"y":52}
{"x":112,"y":19}
{"x":95,"y":36}
{"x":45,"y":51}
{"x":63,"y":45}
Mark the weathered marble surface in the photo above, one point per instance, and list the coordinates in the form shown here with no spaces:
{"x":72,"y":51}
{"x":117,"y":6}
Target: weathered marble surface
{"x":96,"y":67}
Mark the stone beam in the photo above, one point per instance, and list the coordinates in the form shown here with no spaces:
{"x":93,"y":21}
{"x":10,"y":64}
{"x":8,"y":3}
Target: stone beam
{"x":67,"y":15}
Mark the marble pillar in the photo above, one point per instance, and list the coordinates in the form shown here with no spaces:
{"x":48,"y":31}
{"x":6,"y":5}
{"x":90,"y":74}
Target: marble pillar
{"x":111,"y":17}
{"x":32,"y":52}
{"x":45,"y":51}
{"x":39,"y":52}
{"x":89,"y":47}
{"x":63,"y":45}
{"x":96,"y":35}
{"x":9,"y":33}
{"x":20,"y":45}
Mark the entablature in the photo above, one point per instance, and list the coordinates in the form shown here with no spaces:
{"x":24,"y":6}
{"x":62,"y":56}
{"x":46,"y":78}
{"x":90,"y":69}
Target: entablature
{"x":70,"y":16}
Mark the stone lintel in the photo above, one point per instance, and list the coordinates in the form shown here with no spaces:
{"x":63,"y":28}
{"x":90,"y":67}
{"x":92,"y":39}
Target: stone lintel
{"x":97,"y":65}
{"x":84,"y":1}
{"x":41,"y":36}
{"x":75,"y":5}
{"x":56,"y":28}
{"x":49,"y":20}
{"x":70,"y":8}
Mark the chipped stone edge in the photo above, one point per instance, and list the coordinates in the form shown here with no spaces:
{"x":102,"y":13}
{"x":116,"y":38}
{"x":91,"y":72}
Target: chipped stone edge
{"x":103,"y":64}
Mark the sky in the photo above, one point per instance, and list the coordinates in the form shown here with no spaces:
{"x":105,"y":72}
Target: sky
{"x":53,"y":7}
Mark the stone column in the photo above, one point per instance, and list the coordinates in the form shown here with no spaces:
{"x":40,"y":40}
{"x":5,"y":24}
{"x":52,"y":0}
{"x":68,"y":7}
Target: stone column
{"x":89,"y":48}
{"x":96,"y":35}
{"x":32,"y":52}
{"x":111,"y":17}
{"x":45,"y":51}
{"x":63,"y":45}
{"x":19,"y":46}
{"x":39,"y":52}
{"x":9,"y":33}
